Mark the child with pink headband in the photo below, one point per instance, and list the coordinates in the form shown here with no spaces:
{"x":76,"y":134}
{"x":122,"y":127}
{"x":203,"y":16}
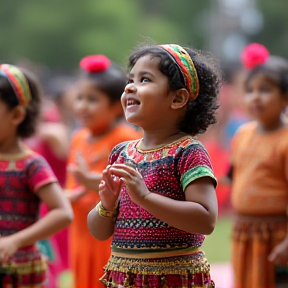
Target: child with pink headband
{"x":26,"y":180}
{"x":157,"y":194}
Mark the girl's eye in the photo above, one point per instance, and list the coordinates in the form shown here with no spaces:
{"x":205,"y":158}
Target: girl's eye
{"x":265,"y":89}
{"x":248,"y":90}
{"x":79,"y":97}
{"x":145,"y":80}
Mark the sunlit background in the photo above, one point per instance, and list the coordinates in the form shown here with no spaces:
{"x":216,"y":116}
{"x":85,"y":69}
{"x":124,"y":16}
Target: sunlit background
{"x":52,"y":36}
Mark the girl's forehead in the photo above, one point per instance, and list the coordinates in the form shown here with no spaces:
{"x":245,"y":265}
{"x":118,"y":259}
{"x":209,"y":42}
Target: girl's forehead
{"x":263,"y":77}
{"x":146,"y":61}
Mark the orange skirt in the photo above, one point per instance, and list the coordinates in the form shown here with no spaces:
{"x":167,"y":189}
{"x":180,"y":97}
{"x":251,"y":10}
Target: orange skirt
{"x":253,"y":239}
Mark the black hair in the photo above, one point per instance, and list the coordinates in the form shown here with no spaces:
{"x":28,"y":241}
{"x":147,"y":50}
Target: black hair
{"x":7,"y":95}
{"x":276,"y":69}
{"x":200,"y":112}
{"x":112,"y":81}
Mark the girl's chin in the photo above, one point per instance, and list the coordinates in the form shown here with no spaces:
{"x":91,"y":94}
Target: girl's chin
{"x":131,"y":119}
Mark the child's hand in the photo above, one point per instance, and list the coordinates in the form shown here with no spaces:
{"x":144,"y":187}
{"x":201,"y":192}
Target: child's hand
{"x":133,"y":180}
{"x":279,"y":254}
{"x":82,"y":174}
{"x":8,"y":247}
{"x":109,"y":189}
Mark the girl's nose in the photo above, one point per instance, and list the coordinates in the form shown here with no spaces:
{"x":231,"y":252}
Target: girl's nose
{"x":130,"y":88}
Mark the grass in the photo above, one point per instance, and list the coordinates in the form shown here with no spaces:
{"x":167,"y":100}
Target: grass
{"x":217,"y":246}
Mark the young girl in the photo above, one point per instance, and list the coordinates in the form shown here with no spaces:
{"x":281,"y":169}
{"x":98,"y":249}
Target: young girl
{"x":99,"y":110}
{"x":260,"y":174}
{"x":26,"y":180}
{"x":158,"y":193}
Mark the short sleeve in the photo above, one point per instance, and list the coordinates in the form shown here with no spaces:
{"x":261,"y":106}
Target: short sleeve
{"x":116,"y":152}
{"x":194,"y":163}
{"x":39,"y":173}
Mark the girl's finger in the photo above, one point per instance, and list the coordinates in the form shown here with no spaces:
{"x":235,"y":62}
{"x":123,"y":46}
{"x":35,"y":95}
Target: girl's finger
{"x":129,"y":169}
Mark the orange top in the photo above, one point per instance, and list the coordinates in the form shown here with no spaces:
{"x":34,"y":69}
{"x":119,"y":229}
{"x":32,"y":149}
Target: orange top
{"x":260,"y":171}
{"x":88,"y":255}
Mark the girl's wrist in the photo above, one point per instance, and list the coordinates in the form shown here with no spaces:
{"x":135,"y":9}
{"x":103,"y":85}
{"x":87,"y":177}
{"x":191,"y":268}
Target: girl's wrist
{"x":104,"y":212}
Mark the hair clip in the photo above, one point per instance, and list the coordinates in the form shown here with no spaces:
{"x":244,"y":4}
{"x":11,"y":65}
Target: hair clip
{"x":94,"y":63}
{"x":253,"y":55}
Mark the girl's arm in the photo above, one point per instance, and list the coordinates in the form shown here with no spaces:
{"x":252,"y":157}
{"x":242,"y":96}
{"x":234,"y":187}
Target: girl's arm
{"x":100,"y":227}
{"x":227,"y":179}
{"x":59,"y":216}
{"x":198,"y":214}
{"x":75,"y":194}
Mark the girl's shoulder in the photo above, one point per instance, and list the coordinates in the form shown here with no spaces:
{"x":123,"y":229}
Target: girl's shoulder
{"x":249,"y":127}
{"x":123,"y":145}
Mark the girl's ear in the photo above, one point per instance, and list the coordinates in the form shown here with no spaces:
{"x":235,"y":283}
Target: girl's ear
{"x":181,"y":98}
{"x":19,"y":114}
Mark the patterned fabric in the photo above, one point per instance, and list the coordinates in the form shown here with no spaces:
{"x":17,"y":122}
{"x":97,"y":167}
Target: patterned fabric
{"x":267,"y":160}
{"x":166,"y":171}
{"x":254,"y":237}
{"x":186,"y":66}
{"x":21,"y":176}
{"x":18,"y":82}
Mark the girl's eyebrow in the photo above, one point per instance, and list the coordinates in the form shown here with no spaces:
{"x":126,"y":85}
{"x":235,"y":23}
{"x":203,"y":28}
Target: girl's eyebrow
{"x":141,"y":73}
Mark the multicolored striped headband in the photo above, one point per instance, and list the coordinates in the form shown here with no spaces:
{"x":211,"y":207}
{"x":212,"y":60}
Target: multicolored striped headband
{"x":18,"y":82}
{"x":186,"y":66}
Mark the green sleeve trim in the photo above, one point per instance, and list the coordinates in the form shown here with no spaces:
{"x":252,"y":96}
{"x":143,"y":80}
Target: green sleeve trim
{"x":195,"y":173}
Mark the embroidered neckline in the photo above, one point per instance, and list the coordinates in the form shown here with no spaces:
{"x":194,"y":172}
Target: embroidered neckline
{"x":169,"y":145}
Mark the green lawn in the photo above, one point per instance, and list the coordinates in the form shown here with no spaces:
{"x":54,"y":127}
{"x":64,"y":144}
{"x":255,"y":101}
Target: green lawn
{"x":217,"y":245}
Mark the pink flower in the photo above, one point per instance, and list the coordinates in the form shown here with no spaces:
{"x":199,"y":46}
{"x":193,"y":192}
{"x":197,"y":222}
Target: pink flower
{"x":94,"y":63}
{"x":253,"y":55}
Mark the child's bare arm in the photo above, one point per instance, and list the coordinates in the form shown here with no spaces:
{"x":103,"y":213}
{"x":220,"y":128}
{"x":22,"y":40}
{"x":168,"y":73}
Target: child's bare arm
{"x":198,"y":214}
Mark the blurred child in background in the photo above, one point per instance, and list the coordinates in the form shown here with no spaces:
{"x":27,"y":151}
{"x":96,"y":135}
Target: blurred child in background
{"x":98,"y":109}
{"x":259,"y":175}
{"x":27,"y":180}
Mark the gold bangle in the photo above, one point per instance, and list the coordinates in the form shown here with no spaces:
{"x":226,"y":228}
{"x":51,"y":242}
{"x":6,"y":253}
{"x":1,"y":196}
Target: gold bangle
{"x":105,"y":213}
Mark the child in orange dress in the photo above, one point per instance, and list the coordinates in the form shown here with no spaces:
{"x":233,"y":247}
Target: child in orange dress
{"x":26,"y":180}
{"x":259,"y":175}
{"x":99,"y":110}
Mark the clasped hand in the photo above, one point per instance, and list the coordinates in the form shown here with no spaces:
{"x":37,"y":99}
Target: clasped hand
{"x":113,"y":177}
{"x":8,"y":247}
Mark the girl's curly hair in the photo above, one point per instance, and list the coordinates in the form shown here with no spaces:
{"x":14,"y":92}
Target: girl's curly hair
{"x":200,"y":112}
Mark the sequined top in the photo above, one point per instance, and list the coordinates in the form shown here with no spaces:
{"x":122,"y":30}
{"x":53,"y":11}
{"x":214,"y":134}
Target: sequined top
{"x":166,"y":171}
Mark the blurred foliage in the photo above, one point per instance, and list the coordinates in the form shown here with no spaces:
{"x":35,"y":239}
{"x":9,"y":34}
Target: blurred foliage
{"x":274,"y":34}
{"x":59,"y":33}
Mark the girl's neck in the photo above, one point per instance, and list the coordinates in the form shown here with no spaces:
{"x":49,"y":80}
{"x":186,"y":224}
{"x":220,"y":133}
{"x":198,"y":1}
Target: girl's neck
{"x":156,"y":139}
{"x":264,"y":128}
{"x":96,"y":134}
{"x":11,"y":146}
